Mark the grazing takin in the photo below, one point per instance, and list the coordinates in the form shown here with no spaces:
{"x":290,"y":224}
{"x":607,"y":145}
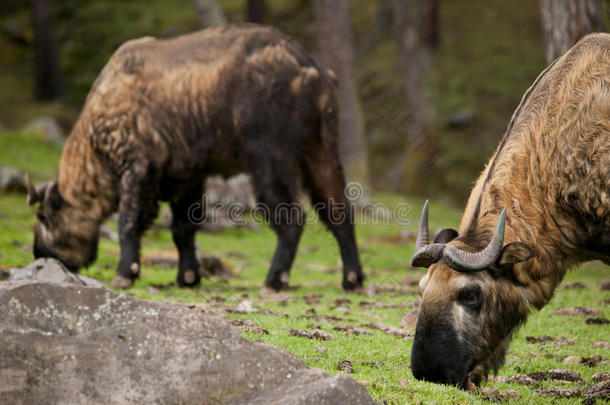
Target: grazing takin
{"x":164,"y":114}
{"x":541,"y":206}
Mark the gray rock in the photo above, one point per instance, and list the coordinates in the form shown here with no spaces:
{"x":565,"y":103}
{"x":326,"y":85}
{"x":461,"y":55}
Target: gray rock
{"x":69,"y":343}
{"x":51,"y":271}
{"x":12,"y":179}
{"x":49,"y":128}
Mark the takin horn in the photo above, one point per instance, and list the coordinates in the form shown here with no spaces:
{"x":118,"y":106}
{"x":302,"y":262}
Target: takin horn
{"x":427,"y":254}
{"x":461,"y":260}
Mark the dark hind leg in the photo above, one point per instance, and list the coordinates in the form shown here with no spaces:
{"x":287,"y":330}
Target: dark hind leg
{"x":323,"y":176}
{"x":276,"y":191}
{"x":187,"y":209}
{"x":138,"y":207}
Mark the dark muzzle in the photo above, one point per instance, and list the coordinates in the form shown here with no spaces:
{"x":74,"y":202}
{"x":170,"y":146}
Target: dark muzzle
{"x":437,"y":355}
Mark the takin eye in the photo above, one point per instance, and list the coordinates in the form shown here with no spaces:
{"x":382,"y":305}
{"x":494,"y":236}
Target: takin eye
{"x":471,"y":297}
{"x":43,"y":219}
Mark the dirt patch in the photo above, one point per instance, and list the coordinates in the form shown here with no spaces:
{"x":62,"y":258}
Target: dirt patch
{"x":597,"y":321}
{"x":247,"y":325}
{"x":493,"y":395}
{"x":601,"y":391}
{"x":310,"y":334}
{"x":391,"y":330}
{"x":210,"y":265}
{"x":524,"y":379}
{"x":591,"y":361}
{"x":345,"y":365}
{"x":576,"y":311}
{"x":312,"y":299}
{"x":351,"y":330}
{"x":574,"y":285}
{"x":572,"y":359}
{"x":562,"y":341}
{"x":342,"y":309}
{"x":392,"y":289}
{"x":235,"y":255}
{"x":539,"y":339}
{"x":597,"y":377}
{"x":273,"y":313}
{"x":382,"y":305}
{"x":341,"y":302}
{"x":282,"y":297}
{"x":605,"y":286}
{"x":603,"y":345}
{"x":558,"y":393}
{"x":556,"y":374}
{"x":324,"y":318}
{"x":259,"y":312}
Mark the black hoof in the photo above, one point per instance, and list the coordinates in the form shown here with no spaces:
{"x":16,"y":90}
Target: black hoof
{"x":353,"y":281}
{"x":279,"y":282}
{"x":188,"y":278}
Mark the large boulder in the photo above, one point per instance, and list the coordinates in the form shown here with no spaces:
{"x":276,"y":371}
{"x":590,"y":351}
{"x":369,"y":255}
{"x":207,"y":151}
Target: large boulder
{"x":49,"y":128}
{"x":12,"y":179}
{"x":52,"y":271}
{"x":77,"y":344}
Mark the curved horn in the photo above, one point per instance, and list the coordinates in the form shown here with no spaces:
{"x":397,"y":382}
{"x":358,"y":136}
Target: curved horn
{"x":425,"y":253}
{"x":464,"y":261}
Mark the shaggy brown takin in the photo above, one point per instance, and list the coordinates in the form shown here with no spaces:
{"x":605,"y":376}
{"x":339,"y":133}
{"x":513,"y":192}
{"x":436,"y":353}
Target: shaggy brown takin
{"x":164,"y":114}
{"x":541,"y":206}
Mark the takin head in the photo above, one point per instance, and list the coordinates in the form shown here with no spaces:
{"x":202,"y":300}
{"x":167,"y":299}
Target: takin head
{"x":62,"y":231}
{"x":470,"y":306}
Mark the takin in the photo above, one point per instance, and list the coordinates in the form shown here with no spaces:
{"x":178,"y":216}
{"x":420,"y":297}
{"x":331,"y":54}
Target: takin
{"x":540,"y":207}
{"x":164,"y":114}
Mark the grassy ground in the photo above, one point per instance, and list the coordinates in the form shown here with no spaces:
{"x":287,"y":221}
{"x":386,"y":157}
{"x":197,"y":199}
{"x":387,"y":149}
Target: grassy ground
{"x":380,"y":360}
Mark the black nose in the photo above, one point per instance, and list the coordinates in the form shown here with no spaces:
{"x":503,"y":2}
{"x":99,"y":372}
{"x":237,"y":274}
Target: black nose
{"x":39,"y":251}
{"x":437,"y":356}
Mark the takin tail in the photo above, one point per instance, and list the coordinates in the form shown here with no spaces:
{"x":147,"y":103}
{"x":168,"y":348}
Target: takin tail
{"x":329,"y":106}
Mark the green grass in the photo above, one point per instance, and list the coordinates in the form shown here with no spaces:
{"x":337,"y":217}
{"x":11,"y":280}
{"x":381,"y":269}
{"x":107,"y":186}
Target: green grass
{"x":381,"y":361}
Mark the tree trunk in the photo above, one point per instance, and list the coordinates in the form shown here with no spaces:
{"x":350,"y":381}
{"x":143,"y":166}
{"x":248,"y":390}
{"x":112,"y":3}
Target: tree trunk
{"x":210,"y":13}
{"x":415,"y":25}
{"x":256,"y":11}
{"x":430,"y":37}
{"x":47,"y":82}
{"x":335,"y":51}
{"x":564,"y":22}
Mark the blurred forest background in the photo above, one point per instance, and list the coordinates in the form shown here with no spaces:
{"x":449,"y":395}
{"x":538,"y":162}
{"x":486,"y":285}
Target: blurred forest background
{"x":427,"y":86}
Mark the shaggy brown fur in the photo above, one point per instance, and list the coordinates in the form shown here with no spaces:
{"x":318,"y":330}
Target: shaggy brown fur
{"x":552,"y":174}
{"x":164,"y":114}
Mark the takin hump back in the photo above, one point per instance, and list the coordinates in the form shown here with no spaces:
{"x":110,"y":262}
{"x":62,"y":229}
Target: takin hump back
{"x":541,"y":206}
{"x":164,"y":114}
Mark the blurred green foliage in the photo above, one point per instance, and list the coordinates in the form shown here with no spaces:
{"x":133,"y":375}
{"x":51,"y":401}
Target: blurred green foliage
{"x":489,"y":54}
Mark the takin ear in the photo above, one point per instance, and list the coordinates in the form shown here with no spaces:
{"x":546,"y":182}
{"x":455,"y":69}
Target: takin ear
{"x":53,"y":197}
{"x":35,"y":193}
{"x":446,"y":235}
{"x":514,"y":253}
